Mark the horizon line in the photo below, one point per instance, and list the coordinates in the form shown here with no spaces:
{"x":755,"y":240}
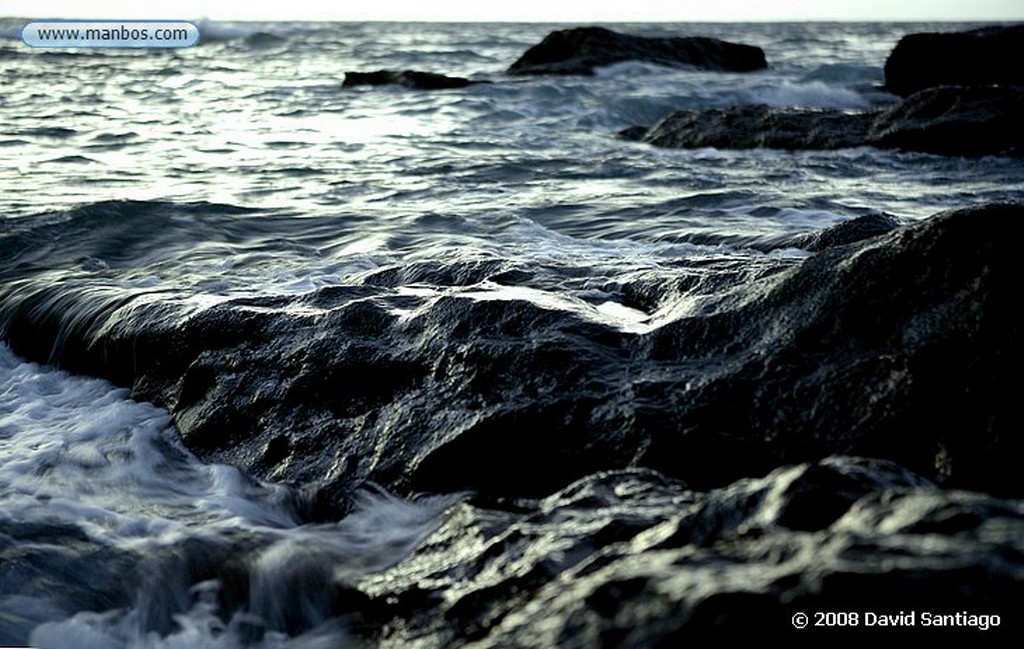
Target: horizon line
{"x":525,"y":22}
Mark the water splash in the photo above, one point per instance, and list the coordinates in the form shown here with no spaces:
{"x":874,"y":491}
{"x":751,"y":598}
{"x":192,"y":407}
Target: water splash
{"x":154,"y":548}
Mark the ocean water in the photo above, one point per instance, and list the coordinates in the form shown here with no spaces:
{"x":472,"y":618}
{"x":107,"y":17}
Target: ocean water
{"x":241,"y":168}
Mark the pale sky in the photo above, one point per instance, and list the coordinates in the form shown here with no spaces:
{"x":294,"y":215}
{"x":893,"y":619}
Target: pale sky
{"x":577,"y":11}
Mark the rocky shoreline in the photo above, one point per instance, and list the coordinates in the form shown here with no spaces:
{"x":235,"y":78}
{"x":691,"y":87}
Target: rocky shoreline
{"x":829,"y":432}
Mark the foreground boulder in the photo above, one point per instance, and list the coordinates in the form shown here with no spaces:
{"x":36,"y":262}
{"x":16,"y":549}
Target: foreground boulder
{"x":896,"y":346}
{"x":949,"y":120}
{"x":634,"y":559}
{"x":986,"y":56}
{"x":627,"y":558}
{"x":580,"y":50}
{"x":407,"y":78}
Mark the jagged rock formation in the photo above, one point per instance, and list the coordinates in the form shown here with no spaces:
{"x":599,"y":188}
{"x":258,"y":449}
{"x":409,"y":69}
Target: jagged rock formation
{"x":632,"y":559}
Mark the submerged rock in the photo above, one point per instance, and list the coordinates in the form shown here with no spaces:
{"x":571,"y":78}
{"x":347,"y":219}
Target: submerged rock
{"x":407,"y":78}
{"x":950,"y":120}
{"x":580,"y":50}
{"x":633,"y":133}
{"x":986,"y":56}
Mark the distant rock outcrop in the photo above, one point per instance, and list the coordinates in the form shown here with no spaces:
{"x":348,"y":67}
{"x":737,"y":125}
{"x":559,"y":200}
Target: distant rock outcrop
{"x":986,"y":56}
{"x":948,"y":120}
{"x":408,"y":78}
{"x":580,"y":50}
{"x":759,"y":126}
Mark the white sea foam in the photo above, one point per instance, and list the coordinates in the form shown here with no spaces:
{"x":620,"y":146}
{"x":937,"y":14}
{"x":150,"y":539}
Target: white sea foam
{"x":93,"y":455}
{"x":812,"y":94}
{"x":77,"y":454}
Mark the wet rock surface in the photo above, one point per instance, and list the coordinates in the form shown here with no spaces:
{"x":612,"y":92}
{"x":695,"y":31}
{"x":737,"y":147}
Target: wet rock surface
{"x":950,"y":120}
{"x":894,"y":346}
{"x":580,"y":50}
{"x":866,"y":348}
{"x":858,"y":229}
{"x":986,"y":56}
{"x":632,"y":558}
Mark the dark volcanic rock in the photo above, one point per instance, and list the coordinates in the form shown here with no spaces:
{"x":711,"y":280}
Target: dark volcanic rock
{"x":986,"y":56}
{"x":407,"y":78}
{"x":633,"y":559}
{"x":899,"y":346}
{"x":950,"y":120}
{"x":580,"y":50}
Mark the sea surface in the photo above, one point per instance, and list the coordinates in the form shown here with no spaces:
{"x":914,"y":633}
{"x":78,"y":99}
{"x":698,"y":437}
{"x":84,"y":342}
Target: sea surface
{"x":241,"y":168}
